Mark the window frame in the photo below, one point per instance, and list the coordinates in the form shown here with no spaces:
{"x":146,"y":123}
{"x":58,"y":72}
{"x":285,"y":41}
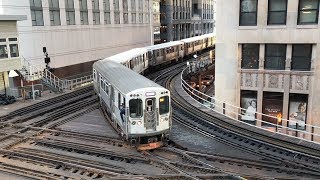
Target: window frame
{"x":284,"y":57}
{"x":141,"y":108}
{"x":107,"y":13}
{"x":167,"y":108}
{"x":83,"y":12}
{"x":309,"y":58}
{"x":256,"y":15}
{"x":70,"y":11}
{"x":300,"y":10}
{"x":33,"y":10}
{"x":269,"y":12}
{"x":256,"y":66}
{"x":52,"y":11}
{"x":95,"y":13}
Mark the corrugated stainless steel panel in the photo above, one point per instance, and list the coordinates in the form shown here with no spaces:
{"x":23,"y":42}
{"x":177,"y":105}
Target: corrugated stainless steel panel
{"x":122,"y":77}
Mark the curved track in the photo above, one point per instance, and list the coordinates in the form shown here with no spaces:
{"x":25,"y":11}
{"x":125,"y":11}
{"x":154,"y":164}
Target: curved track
{"x":284,"y":159}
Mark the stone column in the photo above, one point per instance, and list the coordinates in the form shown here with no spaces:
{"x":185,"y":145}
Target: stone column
{"x":260,"y":83}
{"x":286,"y":85}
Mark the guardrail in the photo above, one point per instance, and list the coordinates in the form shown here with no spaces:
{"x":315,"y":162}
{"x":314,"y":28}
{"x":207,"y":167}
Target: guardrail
{"x":298,"y":130}
{"x":38,"y":71}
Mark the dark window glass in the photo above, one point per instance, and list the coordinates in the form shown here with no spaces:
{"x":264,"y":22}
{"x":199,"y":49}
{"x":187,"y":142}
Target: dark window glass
{"x":54,"y":12}
{"x":277,"y":13}
{"x":164,"y":105}
{"x":275,"y":56}
{"x":36,"y":12}
{"x":13,"y":39}
{"x":3,"y":51}
{"x":301,"y":57}
{"x":250,"y":56}
{"x":14,"y":51}
{"x":83,"y":12}
{"x":308,"y":12}
{"x":135,"y":108}
{"x":248,"y":12}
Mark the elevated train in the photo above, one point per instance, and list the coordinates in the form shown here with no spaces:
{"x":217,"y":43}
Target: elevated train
{"x":139,"y":108}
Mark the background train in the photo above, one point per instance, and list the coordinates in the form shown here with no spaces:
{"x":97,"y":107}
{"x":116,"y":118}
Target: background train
{"x":138,"y":107}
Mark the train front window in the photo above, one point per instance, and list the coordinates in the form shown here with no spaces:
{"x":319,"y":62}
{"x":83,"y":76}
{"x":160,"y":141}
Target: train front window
{"x":164,"y":105}
{"x":135,"y":108}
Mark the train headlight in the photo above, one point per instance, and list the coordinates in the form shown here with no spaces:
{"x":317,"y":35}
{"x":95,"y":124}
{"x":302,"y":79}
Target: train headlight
{"x":133,"y":123}
{"x":139,"y":123}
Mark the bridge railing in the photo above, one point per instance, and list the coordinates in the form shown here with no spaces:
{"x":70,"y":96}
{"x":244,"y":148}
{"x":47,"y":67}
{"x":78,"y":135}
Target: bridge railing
{"x":275,"y":124}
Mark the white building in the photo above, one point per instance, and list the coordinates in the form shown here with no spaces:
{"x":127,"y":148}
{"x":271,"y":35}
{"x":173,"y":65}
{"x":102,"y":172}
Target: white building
{"x":9,"y":51}
{"x":268,"y":52}
{"x":79,"y":31}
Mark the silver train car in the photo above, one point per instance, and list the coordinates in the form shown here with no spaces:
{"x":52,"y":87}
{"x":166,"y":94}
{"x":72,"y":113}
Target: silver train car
{"x":138,"y":108}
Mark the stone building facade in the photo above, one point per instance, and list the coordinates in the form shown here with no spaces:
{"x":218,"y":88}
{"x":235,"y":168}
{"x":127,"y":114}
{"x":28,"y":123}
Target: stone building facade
{"x":268,"y":52}
{"x":182,"y":19}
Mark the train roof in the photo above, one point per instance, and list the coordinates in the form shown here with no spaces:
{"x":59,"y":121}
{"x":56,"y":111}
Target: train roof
{"x":196,"y":38}
{"x":127,"y":55}
{"x":123,"y":78}
{"x":165,"y":45}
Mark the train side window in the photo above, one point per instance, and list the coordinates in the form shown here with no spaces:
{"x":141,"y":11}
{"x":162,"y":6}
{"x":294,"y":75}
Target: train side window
{"x":164,"y":105}
{"x":101,"y":82}
{"x":131,"y":64}
{"x":135,"y":108}
{"x":119,"y":100}
{"x":94,"y":75}
{"x":106,"y":88}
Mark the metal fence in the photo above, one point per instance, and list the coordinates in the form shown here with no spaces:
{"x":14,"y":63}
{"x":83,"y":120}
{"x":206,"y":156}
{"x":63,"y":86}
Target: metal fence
{"x":295,"y":129}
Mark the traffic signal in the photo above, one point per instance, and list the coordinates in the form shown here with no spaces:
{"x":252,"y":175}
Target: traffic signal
{"x":47,"y":60}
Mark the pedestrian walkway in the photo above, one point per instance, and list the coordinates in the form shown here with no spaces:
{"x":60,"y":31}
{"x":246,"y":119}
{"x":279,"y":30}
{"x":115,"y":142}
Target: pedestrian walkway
{"x":196,"y":104}
{"x":20,"y":102}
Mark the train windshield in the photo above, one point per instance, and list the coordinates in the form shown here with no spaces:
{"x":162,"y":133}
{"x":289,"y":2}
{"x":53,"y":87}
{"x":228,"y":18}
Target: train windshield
{"x":135,"y":108}
{"x":164,"y":105}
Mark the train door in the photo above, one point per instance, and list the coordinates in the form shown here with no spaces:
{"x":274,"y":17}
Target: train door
{"x":150,"y":114}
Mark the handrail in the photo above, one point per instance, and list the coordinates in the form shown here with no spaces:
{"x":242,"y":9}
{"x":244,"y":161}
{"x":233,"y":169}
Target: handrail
{"x":38,"y":71}
{"x":234,"y":112}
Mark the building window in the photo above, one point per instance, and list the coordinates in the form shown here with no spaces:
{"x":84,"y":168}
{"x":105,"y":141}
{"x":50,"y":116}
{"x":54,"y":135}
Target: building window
{"x":95,"y":12}
{"x":133,"y":5}
{"x":83,"y":12}
{"x":277,"y":12}
{"x":3,"y":51}
{"x":146,"y":18}
{"x":9,"y":49}
{"x":125,"y":5}
{"x":70,"y":12}
{"x":133,"y":18}
{"x":106,"y":6}
{"x":125,"y":18}
{"x":308,"y":12}
{"x":140,"y":17}
{"x":117,"y":17}
{"x":301,"y":57}
{"x":54,"y":12}
{"x":250,"y":56}
{"x":248,"y":12}
{"x":107,"y":19}
{"x":36,"y":12}
{"x":116,"y":5}
{"x":275,"y":56}
{"x":140,"y":5}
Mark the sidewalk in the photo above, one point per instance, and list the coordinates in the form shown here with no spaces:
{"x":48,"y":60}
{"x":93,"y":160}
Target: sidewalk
{"x":20,"y":103}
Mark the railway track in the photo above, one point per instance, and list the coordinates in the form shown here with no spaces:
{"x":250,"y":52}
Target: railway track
{"x":284,"y":162}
